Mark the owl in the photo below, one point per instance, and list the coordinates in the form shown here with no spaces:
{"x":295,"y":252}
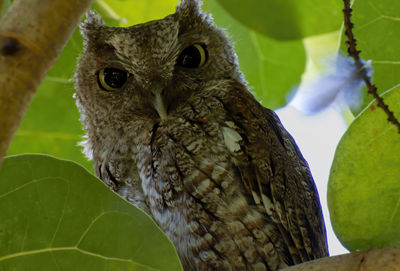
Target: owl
{"x":173,"y":128}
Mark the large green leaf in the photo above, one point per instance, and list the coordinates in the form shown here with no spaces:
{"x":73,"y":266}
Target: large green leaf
{"x":54,"y":215}
{"x":287,"y":19}
{"x":377,"y":30}
{"x":272,"y":68}
{"x":364,"y":182}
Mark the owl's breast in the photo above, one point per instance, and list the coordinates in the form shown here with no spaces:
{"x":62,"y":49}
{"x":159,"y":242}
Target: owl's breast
{"x":195,"y":195}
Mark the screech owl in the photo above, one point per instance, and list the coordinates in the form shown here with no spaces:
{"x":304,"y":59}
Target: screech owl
{"x":172,"y":127}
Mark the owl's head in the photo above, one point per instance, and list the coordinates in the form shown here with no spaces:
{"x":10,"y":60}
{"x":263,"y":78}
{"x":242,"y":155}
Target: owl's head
{"x":146,"y":71}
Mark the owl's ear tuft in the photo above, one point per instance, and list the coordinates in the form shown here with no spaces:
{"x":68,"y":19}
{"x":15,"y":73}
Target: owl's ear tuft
{"x":189,"y":8}
{"x":190,"y":15}
{"x":93,"y":19}
{"x":90,"y":28}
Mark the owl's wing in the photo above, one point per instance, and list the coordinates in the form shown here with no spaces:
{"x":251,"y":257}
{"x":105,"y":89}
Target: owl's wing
{"x":275,"y":173}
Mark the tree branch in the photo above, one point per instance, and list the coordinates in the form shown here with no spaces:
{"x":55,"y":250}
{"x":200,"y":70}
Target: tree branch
{"x":32,"y":35}
{"x":382,"y":259}
{"x":355,"y":54}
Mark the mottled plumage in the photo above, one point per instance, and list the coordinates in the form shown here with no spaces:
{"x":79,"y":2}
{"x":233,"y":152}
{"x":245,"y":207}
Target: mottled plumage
{"x":192,"y":147}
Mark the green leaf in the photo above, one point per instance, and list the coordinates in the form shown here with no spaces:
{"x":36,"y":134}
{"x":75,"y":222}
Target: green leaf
{"x":4,"y":6}
{"x":272,"y":68}
{"x":287,"y":19}
{"x":127,"y":13}
{"x":364,"y":186}
{"x":377,"y":30}
{"x":54,"y":215}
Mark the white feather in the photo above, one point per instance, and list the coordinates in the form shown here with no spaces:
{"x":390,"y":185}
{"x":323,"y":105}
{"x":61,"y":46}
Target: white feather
{"x":232,"y":139}
{"x":341,"y":83}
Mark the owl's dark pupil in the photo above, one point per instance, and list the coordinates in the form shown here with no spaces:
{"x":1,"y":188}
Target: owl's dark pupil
{"x":114,"y":78}
{"x":189,"y":58}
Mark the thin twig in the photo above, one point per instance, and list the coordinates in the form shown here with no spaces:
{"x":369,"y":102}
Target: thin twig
{"x":354,"y":53}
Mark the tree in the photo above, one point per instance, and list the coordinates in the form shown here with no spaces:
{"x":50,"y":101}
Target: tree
{"x":363,"y":189}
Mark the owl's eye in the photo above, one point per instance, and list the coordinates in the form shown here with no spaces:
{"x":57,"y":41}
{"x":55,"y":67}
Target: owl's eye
{"x":193,"y":56}
{"x":110,"y":79}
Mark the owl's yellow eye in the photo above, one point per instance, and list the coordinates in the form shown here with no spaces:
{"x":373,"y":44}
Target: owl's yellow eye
{"x":110,"y":79}
{"x":193,"y":56}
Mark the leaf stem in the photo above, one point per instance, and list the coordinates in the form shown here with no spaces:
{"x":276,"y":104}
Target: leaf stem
{"x":355,"y":54}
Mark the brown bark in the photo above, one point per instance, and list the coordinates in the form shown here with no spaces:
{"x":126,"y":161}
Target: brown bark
{"x":32,"y":35}
{"x":382,"y":259}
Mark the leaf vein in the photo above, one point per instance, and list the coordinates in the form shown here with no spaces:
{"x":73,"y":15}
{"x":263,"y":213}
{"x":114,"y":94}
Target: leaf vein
{"x":23,"y":186}
{"x":62,"y":215}
{"x":45,"y":250}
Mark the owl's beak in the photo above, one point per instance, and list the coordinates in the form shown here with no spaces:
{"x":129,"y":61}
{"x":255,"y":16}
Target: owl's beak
{"x":159,"y":104}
